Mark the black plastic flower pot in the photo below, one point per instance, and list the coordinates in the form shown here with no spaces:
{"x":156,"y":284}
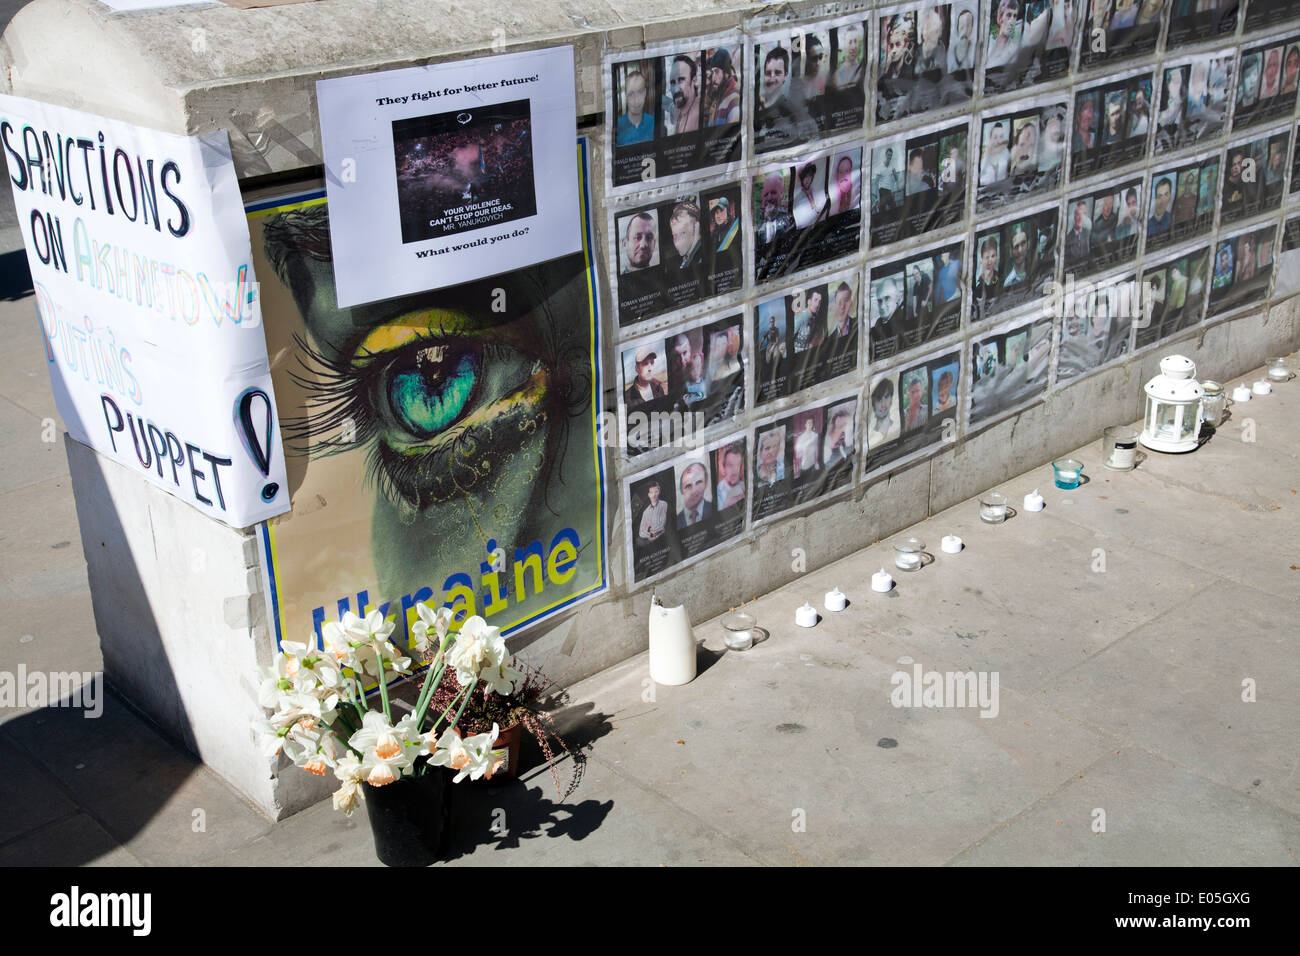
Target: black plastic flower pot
{"x":411,"y":818}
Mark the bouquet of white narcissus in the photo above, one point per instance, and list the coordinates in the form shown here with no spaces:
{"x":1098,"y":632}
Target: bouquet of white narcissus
{"x":322,"y":717}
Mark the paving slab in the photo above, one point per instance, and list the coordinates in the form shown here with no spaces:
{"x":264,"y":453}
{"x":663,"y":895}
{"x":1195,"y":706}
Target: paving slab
{"x":40,"y":544}
{"x":30,"y":796}
{"x":1155,"y":813}
{"x":33,"y":452}
{"x":77,"y":840}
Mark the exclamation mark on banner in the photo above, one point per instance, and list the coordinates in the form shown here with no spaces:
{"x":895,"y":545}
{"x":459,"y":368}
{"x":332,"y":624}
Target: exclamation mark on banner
{"x":258,"y":445}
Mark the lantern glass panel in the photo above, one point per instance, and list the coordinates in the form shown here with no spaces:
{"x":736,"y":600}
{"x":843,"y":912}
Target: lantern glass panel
{"x":1165,"y":420}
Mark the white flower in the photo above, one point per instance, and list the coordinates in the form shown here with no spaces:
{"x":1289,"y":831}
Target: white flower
{"x":473,"y":757}
{"x":383,"y":757}
{"x":350,"y":794}
{"x":479,"y":653}
{"x":432,"y":626}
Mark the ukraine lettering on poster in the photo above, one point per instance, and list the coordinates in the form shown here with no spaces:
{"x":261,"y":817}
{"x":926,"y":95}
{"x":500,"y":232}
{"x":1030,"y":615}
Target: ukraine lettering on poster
{"x":441,"y":174}
{"x":148,"y":302}
{"x":444,"y":446}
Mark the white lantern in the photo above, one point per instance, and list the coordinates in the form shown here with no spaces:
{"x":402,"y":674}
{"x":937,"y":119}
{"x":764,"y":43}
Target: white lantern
{"x":1173,"y":416}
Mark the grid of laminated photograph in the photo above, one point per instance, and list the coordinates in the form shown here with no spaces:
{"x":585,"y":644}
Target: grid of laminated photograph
{"x":1267,"y":80}
{"x":804,"y":455}
{"x":805,"y":336}
{"x":918,"y":182}
{"x":1175,"y":289}
{"x":926,"y":58}
{"x":810,"y":81}
{"x":1288,"y":260}
{"x":807,"y":212}
{"x":1261,"y":14}
{"x":1243,"y":266}
{"x":1103,"y":227}
{"x":1015,"y":258}
{"x":1193,"y":103}
{"x":1191,"y":21}
{"x":1009,"y":367}
{"x":1097,"y":318}
{"x":1112,"y":124}
{"x":1295,"y":167}
{"x":1254,"y":175}
{"x":1021,"y":153}
{"x":676,"y":251}
{"x":1182,"y":201}
{"x":676,"y":384}
{"x":1028,"y":42}
{"x":1119,"y":29}
{"x":675,"y":111}
{"x":911,"y":411}
{"x":686,"y":508}
{"x":916,"y":299}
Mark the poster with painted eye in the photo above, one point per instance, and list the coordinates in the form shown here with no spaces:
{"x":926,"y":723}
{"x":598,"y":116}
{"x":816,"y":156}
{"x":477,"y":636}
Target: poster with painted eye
{"x":1288,"y":260}
{"x":804,"y":456}
{"x":916,"y":299}
{"x":428,"y":412}
{"x":806,"y":336}
{"x":676,"y":252}
{"x":1193,"y":102}
{"x":809,"y":82}
{"x":1182,"y":201}
{"x":927,"y":58}
{"x":1119,"y":29}
{"x":1021,"y":154}
{"x":677,"y":384}
{"x":675,"y":111}
{"x":1174,"y":295}
{"x":1265,"y":13}
{"x":1191,"y":21}
{"x":1112,"y":124}
{"x":1103,"y":228}
{"x":686,"y":509}
{"x":1097,"y":322}
{"x":918,"y":183}
{"x":1015,"y":258}
{"x":1254,"y":173}
{"x":1028,"y":42}
{"x":807,"y":213}
{"x":912,"y":409}
{"x":1008,"y":370}
{"x":1267,"y":81}
{"x":1243,"y":266}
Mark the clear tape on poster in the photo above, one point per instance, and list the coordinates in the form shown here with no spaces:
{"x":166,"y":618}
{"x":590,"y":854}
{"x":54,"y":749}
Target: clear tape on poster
{"x":909,"y":412}
{"x":1177,"y":286}
{"x":1010,"y":369}
{"x":818,"y":447}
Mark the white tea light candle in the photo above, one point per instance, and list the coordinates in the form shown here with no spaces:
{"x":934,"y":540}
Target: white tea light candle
{"x":881,"y":581}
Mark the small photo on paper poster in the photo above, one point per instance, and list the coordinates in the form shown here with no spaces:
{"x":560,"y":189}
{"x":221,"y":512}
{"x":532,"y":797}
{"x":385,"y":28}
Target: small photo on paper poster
{"x":1288,"y":261}
{"x":1183,"y":199}
{"x":806,"y":336}
{"x":1267,"y":82}
{"x":1119,"y":29}
{"x":1009,"y":368}
{"x":1193,"y":102}
{"x":676,"y":114}
{"x":1020,"y":155}
{"x":923,"y":396}
{"x":808,"y":84}
{"x":1112,"y":123}
{"x":808,"y":213}
{"x":817,"y":459}
{"x":1013,"y":263}
{"x":1261,"y":14}
{"x":1103,"y":228}
{"x":1254,"y":175}
{"x":678,"y":252}
{"x":1191,"y":21}
{"x":927,"y":59}
{"x":1028,"y":42}
{"x":1175,"y":291}
{"x":1098,"y":320}
{"x":1243,"y":267}
{"x":916,"y":299}
{"x":918,"y":184}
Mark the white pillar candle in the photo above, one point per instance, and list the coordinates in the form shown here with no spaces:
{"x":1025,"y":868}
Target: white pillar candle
{"x":672,"y":645}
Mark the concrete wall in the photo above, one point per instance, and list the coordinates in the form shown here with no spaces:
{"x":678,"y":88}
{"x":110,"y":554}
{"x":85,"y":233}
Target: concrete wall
{"x":180,"y":601}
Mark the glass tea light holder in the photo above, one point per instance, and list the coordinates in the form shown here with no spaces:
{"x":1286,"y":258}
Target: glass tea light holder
{"x":1119,"y":447}
{"x":1067,"y":471}
{"x":993,"y":507}
{"x":738,"y":630}
{"x":1214,"y":403}
{"x":908,"y":554}
{"x":1279,"y":370}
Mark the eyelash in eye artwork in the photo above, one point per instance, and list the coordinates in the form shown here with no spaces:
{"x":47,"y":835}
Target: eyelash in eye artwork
{"x":408,"y":406}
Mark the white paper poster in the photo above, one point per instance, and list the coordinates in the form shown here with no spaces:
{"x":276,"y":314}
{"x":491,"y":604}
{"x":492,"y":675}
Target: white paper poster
{"x":441,"y":174}
{"x":144,"y":282}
